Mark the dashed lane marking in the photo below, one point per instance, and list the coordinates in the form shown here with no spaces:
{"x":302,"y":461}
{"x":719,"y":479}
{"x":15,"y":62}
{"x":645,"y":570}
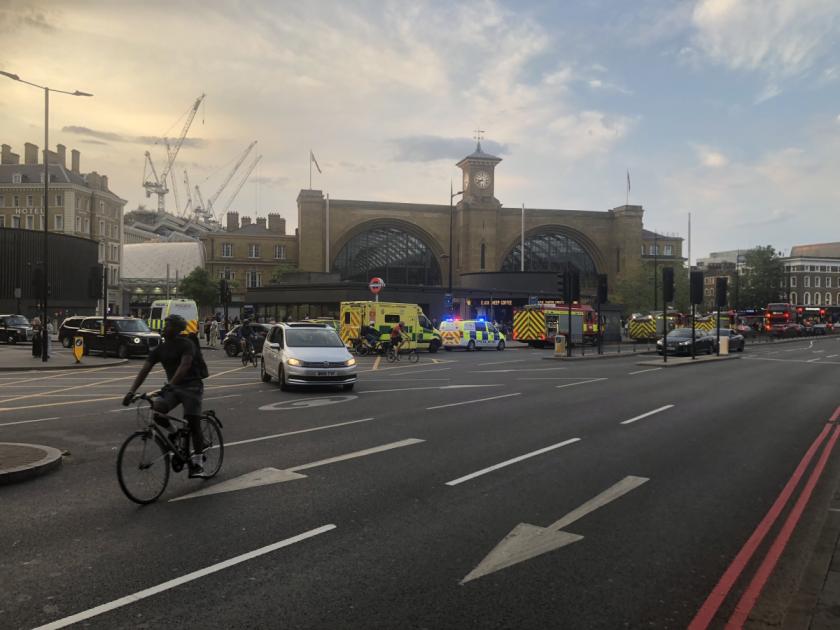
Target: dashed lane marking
{"x":189,"y":577}
{"x":46,"y":378}
{"x":643,"y":371}
{"x":592,"y":380}
{"x":8,"y":424}
{"x":645,"y":415}
{"x":469,"y":402}
{"x":288,"y":433}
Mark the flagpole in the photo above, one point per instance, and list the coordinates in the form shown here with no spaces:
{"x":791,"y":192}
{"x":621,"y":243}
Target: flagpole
{"x":310,"y":169}
{"x":627,"y":192}
{"x":522,"y":240}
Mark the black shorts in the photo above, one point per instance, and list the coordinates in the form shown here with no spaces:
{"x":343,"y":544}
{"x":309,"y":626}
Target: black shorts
{"x":187,"y":395}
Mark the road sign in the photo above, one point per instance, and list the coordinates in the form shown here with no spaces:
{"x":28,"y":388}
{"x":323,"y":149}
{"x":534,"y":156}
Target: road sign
{"x":376,"y":285}
{"x":78,"y":348}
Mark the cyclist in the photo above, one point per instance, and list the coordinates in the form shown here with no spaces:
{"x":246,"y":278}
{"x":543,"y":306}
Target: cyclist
{"x":370,"y":334}
{"x":397,"y":333}
{"x":183,"y":387}
{"x":246,"y":336}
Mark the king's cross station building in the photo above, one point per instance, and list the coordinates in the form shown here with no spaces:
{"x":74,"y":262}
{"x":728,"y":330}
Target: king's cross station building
{"x":469,"y":253}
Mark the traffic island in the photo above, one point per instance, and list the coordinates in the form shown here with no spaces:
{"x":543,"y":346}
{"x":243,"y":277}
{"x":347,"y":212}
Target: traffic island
{"x":19,"y":462}
{"x":681,"y":361}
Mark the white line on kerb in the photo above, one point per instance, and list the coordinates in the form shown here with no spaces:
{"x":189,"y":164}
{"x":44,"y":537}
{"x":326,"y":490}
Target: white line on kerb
{"x":591,"y":380}
{"x":643,"y":371}
{"x":477,"y":400}
{"x":508,"y":462}
{"x":645,"y":415}
{"x":189,"y":577}
{"x":8,"y":424}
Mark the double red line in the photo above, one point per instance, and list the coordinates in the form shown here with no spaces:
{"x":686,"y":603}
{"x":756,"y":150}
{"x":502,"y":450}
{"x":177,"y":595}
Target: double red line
{"x":713,"y":602}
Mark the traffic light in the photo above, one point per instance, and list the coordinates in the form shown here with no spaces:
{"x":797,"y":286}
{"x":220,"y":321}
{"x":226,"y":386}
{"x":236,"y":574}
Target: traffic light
{"x":696,"y":287}
{"x":224,"y":292}
{"x":602,"y":288}
{"x":720,"y":290}
{"x":667,"y":284}
{"x":95,"y":282}
{"x":822,"y":312}
{"x":574,"y":286}
{"x":561,"y":284}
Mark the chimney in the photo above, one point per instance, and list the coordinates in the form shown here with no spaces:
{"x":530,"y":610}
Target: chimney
{"x":104,"y":182}
{"x":30,"y":153}
{"x":92,"y":180}
{"x":276,"y":223}
{"x":62,"y":154}
{"x":8,"y":157}
{"x":261,"y":222}
{"x":74,"y":161}
{"x":232,"y":221}
{"x":246,"y":221}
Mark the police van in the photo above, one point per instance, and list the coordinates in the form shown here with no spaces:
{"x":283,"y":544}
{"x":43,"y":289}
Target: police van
{"x":385,"y":315}
{"x":471,"y":334}
{"x":161,"y":309}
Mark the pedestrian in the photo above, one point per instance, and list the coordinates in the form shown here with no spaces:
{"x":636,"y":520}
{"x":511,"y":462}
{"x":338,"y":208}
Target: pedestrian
{"x":207,"y":330}
{"x":37,"y":338}
{"x":214,"y":333}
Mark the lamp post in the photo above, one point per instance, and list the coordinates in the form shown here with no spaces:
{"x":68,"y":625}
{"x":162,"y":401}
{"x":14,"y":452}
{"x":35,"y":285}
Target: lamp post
{"x":46,"y":200}
{"x":452,"y":196}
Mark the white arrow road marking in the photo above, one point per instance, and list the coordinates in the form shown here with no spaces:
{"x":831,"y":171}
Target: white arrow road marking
{"x":508,"y":462}
{"x":645,"y":415}
{"x":529,"y":541}
{"x":279,"y":435}
{"x":306,"y":403}
{"x":189,"y":577}
{"x":268,"y":476}
{"x":8,"y":424}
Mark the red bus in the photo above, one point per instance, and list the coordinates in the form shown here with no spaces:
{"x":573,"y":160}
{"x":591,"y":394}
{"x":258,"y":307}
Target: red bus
{"x":778,"y":315}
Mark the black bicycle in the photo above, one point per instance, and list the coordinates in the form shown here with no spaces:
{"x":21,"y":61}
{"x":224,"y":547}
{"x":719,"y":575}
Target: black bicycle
{"x":145,"y":458}
{"x":363,"y":347}
{"x":249,"y":355}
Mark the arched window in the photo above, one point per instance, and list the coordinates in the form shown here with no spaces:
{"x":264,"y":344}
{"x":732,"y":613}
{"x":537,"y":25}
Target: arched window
{"x":807,"y":299}
{"x":389,"y":253}
{"x":827,"y":299}
{"x":793,"y":298}
{"x":550,"y":251}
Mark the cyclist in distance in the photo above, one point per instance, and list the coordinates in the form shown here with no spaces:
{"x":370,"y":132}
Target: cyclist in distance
{"x":246,"y":335}
{"x":183,"y":387}
{"x":397,"y":333}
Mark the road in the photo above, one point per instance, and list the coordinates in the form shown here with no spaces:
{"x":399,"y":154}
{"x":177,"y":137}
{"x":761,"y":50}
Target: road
{"x":627,"y":492}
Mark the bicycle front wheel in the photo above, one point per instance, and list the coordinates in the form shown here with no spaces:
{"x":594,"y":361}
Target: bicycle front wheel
{"x":214,"y":452}
{"x":143,"y":467}
{"x":391,"y":355}
{"x":413,"y":356}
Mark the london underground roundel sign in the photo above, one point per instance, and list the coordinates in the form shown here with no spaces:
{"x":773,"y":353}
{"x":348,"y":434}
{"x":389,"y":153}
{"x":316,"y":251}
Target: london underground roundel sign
{"x":376,"y":285}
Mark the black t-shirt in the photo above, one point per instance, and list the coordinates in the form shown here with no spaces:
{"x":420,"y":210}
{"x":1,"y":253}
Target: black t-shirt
{"x":169,"y":354}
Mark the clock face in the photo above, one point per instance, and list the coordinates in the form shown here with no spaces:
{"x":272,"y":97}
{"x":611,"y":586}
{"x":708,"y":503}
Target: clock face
{"x":482,"y":179}
{"x":466,"y":181}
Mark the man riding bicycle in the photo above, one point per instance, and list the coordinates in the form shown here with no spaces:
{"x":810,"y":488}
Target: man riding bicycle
{"x":246,"y":336}
{"x":183,"y":387}
{"x":370,"y":334}
{"x":397,"y":336}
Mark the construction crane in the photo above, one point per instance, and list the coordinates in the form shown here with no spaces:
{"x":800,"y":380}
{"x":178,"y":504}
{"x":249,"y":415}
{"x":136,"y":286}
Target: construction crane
{"x":188,"y":207}
{"x":242,"y":182}
{"x":208,"y":211}
{"x":157,"y":184}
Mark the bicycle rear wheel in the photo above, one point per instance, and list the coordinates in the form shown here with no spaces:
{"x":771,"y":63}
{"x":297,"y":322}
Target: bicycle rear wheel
{"x":391,"y":354}
{"x":143,"y":467}
{"x":214,"y":452}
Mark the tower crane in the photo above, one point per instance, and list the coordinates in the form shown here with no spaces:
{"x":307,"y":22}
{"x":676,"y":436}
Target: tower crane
{"x":188,"y":207}
{"x":157,"y":185}
{"x":208,"y":210}
{"x":242,"y":182}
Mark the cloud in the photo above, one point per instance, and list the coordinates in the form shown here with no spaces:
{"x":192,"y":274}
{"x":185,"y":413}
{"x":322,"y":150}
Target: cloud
{"x":780,"y":38}
{"x":196,"y":143}
{"x":598,"y":84}
{"x":709,"y":157}
{"x":770,"y":91}
{"x":431,"y":148}
{"x":589,"y":132}
{"x":24,"y":17}
{"x":267,"y":180}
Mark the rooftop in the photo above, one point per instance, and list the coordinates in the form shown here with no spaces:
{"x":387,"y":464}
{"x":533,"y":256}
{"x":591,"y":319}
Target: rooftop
{"x":816,"y":250}
{"x":149,"y":260}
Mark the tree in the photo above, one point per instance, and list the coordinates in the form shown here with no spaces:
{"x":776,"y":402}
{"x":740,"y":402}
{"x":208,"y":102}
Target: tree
{"x":200,"y":287}
{"x":635,"y":288}
{"x":761,"y":281}
{"x":280,"y":270}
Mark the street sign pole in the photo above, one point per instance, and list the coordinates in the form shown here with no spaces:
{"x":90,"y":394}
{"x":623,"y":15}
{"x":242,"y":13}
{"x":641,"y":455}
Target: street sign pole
{"x":693,"y":330}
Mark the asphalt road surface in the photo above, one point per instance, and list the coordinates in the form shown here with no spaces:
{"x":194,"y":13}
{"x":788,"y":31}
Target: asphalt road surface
{"x":471,"y":490}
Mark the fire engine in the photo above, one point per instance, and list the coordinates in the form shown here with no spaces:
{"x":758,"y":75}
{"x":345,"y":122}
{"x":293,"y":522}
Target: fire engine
{"x":778,"y":315}
{"x":538,"y":325}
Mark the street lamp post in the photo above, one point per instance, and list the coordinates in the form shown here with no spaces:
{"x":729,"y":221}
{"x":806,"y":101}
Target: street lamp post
{"x":452,"y":196}
{"x":46,"y":200}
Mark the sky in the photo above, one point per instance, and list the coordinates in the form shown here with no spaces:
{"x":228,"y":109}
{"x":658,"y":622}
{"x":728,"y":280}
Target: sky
{"x":725,"y":109}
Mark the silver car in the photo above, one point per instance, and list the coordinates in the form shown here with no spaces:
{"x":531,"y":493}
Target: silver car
{"x":307,"y":354}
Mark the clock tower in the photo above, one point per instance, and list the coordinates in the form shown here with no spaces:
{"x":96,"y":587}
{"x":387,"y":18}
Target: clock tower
{"x":479,"y":176}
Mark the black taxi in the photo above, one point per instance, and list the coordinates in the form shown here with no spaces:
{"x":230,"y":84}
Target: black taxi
{"x":123,"y":336}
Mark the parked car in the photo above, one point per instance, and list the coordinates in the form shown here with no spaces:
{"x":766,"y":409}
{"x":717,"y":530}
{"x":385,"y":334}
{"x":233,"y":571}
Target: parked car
{"x":123,"y":336}
{"x":736,"y":339}
{"x":68,"y":329}
{"x":15,"y":328}
{"x":307,"y":354}
{"x":679,"y":342}
{"x":232,"y":343}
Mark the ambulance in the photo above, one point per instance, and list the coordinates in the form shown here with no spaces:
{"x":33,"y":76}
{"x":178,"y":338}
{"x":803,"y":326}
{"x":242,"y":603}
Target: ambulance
{"x":161,"y":309}
{"x":470,"y":334}
{"x":385,"y":315}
